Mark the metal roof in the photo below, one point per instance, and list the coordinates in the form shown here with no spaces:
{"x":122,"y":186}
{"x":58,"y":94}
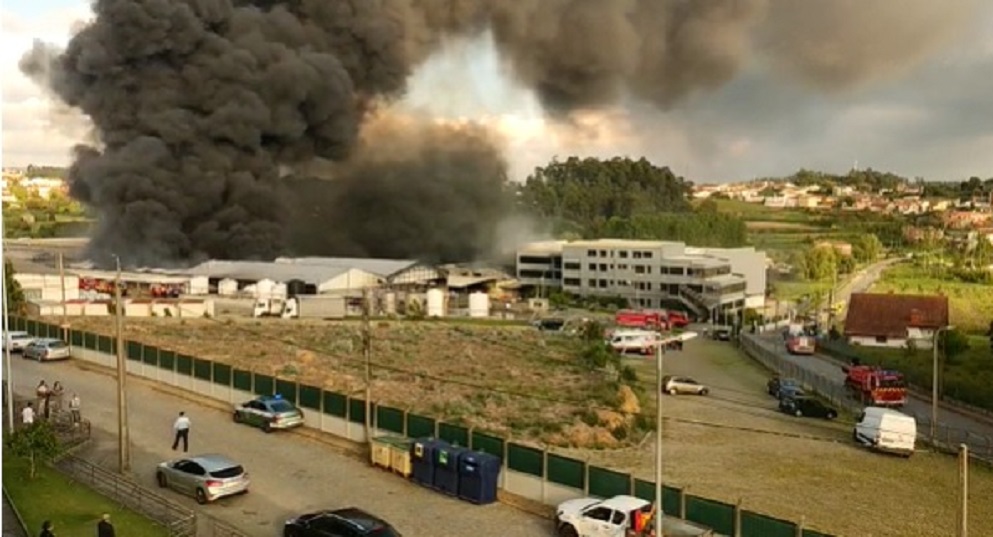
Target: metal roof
{"x":260,"y":270}
{"x":380,"y":267}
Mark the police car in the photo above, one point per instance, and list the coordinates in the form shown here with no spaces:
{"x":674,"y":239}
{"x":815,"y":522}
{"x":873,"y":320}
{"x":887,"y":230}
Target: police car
{"x":269,"y":412}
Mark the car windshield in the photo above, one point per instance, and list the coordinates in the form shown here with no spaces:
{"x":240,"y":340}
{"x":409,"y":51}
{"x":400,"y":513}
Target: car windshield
{"x":56,"y":344}
{"x":281,"y":406}
{"x":892,"y":383}
{"x":224,"y":473}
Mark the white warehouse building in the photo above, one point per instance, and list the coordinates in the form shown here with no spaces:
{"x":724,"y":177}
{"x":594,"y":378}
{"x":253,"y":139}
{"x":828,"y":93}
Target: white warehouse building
{"x":649,"y":273}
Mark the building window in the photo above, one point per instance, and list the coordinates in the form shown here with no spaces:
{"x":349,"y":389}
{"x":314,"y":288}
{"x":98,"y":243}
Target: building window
{"x":880,"y":339}
{"x":571,"y":282}
{"x":647,"y":255}
{"x":592,"y":266}
{"x":572,"y":265}
{"x":532,"y":260}
{"x":602,"y":284}
{"x":639,"y":269}
{"x":648,"y":269}
{"x":533,"y":274}
{"x":676,"y":271}
{"x":637,"y":255}
{"x":603,"y":253}
{"x":623,"y":254}
{"x":673,"y":289}
{"x":591,"y":283}
{"x":590,"y":253}
{"x":603,"y":267}
{"x":622,"y":267}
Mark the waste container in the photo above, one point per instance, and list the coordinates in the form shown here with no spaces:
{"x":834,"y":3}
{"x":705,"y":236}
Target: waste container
{"x":479,"y":477}
{"x":380,"y":451}
{"x":446,"y":468}
{"x":422,"y":460}
{"x":400,"y":456}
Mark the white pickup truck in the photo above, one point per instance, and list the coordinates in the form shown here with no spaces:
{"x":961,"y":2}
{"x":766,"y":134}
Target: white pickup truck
{"x":614,"y":517}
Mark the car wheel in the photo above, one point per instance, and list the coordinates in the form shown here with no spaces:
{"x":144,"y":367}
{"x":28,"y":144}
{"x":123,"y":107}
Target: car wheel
{"x":266,"y":428}
{"x":160,"y":478}
{"x":704,"y":391}
{"x":798,"y":413}
{"x":201,"y":497}
{"x":831,"y":415}
{"x":237,"y":417}
{"x":568,"y":531}
{"x":673,"y":391}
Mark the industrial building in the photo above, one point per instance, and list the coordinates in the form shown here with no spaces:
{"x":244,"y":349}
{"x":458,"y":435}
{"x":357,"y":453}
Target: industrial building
{"x":649,"y":274}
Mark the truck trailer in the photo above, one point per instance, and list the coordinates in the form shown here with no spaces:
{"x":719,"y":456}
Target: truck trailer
{"x":315,"y":307}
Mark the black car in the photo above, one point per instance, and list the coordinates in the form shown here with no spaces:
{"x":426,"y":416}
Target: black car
{"x":807,"y":406}
{"x":349,"y":522}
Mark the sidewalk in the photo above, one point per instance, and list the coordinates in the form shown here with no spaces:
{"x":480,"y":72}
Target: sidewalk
{"x":11,"y":524}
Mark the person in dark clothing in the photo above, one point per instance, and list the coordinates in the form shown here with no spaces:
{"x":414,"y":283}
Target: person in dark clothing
{"x":47,"y":529}
{"x":104,"y":527}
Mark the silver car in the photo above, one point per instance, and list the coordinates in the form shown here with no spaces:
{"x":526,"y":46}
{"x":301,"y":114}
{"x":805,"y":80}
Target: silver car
{"x":205,"y":477}
{"x":679,"y":385}
{"x":46,"y":350}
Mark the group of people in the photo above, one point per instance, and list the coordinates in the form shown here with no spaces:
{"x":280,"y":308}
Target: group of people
{"x":104,"y":528}
{"x":50,"y":400}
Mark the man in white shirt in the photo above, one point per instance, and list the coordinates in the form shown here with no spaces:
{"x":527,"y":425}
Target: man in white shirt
{"x":27,"y":415}
{"x":182,"y":429}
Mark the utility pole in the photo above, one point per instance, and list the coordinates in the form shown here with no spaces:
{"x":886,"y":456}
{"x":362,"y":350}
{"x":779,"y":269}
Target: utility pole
{"x":934,"y":381}
{"x":123,"y":434}
{"x":8,"y":384}
{"x":367,"y":357}
{"x":659,"y":351}
{"x":62,"y":286}
{"x":963,"y":529}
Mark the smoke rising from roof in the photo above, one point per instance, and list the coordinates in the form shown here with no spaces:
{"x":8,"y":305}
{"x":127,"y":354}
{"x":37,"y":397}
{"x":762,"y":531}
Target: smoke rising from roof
{"x":199,"y":104}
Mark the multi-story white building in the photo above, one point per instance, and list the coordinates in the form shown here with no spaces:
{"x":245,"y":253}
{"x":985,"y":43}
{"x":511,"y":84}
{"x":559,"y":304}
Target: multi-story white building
{"x":649,"y":273}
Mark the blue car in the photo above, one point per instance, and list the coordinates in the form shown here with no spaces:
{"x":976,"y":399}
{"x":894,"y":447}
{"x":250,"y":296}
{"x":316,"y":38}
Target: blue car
{"x":780,"y":388}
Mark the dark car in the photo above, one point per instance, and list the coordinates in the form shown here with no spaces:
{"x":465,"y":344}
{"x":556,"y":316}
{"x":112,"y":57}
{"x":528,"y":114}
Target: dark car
{"x":807,"y":406}
{"x":780,"y":387}
{"x":350,"y":522}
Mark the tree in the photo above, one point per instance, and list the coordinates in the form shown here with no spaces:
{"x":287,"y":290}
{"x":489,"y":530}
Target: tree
{"x":954,"y":343}
{"x":15,"y":295}
{"x":36,"y":443}
{"x":866,"y":247}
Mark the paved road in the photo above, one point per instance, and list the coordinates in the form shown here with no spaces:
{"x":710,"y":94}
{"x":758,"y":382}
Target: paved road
{"x":290,"y":474}
{"x":10,"y":526}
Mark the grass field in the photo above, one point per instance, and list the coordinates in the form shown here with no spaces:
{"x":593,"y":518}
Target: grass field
{"x":73,"y":508}
{"x":970,"y":304}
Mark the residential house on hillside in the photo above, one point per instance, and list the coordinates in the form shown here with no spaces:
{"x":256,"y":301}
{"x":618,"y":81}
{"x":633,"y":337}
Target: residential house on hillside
{"x":840,"y":247}
{"x":966,"y":219}
{"x":891,"y":320}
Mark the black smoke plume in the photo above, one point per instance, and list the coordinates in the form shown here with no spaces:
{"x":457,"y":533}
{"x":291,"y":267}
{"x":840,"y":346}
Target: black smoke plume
{"x":207,"y":111}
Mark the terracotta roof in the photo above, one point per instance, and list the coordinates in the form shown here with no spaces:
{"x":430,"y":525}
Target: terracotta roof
{"x":890,"y":315}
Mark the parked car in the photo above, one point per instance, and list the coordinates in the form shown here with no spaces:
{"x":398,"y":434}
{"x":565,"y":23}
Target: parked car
{"x":807,"y":406}
{"x":680,"y":385}
{"x":269,"y":412}
{"x":17,"y":341}
{"x":46,"y":350}
{"x":614,"y":517}
{"x":784,"y":387}
{"x":205,"y":477}
{"x":885,"y":429}
{"x":350,"y":522}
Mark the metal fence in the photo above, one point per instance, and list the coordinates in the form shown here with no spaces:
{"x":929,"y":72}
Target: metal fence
{"x":180,"y":521}
{"x":947,"y":438}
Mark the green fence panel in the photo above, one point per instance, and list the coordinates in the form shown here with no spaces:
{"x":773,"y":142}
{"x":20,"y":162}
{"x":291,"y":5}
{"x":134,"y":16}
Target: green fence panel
{"x":310,"y":397}
{"x":76,"y":338}
{"x":167,"y":360}
{"x":335,"y":404}
{"x":487,"y":443}
{"x":104,"y":345}
{"x":287,"y":389}
{"x":152,"y":355}
{"x":263,"y":384}
{"x":453,"y":434}
{"x":389,"y":419}
{"x":717,"y":515}
{"x":45,"y":330}
{"x":608,"y":483}
{"x":19,"y":323}
{"x":184,"y":365}
{"x":90,"y":340}
{"x":756,"y":525}
{"x":242,"y":380}
{"x":32,"y":327}
{"x":812,"y":533}
{"x":670,"y":495}
{"x":222,"y":374}
{"x":55,"y":331}
{"x":133,"y":348}
{"x":356,"y":410}
{"x":566,"y":471}
{"x":420,"y":426}
{"x":525,"y":459}
{"x":202,"y":369}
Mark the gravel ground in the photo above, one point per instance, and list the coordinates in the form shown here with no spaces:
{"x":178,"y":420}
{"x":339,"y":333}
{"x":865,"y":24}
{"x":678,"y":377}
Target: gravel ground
{"x":290,"y":474}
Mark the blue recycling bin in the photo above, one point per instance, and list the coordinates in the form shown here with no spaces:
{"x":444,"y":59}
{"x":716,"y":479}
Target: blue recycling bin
{"x":446,"y":468}
{"x":479,"y":477}
{"x":422,"y":456}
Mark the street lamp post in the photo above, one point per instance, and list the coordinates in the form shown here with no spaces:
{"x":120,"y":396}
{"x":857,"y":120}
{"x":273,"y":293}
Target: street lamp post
{"x":123,"y":432}
{"x":934,"y":382}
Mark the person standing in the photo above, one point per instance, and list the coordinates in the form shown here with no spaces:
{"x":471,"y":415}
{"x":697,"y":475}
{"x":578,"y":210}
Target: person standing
{"x":27,"y":415}
{"x":182,"y":430}
{"x":75,"y":407}
{"x":58,"y":392}
{"x":104,"y":527}
{"x":42,"y":392}
{"x":47,"y":529}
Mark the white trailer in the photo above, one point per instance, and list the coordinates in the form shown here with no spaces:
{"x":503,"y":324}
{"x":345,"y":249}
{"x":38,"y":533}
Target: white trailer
{"x":315,"y":307}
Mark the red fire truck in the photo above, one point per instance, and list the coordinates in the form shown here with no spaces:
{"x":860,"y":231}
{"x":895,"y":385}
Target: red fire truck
{"x":873,"y":385}
{"x":645,"y":320}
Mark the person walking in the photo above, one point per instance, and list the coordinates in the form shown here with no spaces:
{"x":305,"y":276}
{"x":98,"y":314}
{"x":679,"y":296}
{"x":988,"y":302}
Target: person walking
{"x":47,"y":529}
{"x":27,"y":415}
{"x":75,"y":407}
{"x":42,"y":392}
{"x":58,"y":392}
{"x":104,"y":527}
{"x":182,"y":430}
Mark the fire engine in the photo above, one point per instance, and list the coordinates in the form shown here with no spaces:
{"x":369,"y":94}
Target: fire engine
{"x":801,"y":345}
{"x":873,"y":385}
{"x":645,"y":320}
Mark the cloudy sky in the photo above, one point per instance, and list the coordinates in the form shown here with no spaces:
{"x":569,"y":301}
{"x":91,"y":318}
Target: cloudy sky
{"x":933,"y":121}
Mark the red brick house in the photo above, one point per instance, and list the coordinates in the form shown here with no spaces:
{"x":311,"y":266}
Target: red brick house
{"x":890,"y":320}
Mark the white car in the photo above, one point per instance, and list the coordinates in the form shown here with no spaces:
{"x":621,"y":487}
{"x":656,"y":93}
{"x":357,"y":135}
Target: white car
{"x":17,"y":341}
{"x":46,"y":350}
{"x":591,"y":517}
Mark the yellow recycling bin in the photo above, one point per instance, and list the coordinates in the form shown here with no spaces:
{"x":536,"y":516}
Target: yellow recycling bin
{"x":400,"y":456}
{"x":381,"y":451}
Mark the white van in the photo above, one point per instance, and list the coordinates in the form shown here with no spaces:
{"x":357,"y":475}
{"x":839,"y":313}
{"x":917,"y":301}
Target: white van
{"x":885,"y":429}
{"x":633,"y":341}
